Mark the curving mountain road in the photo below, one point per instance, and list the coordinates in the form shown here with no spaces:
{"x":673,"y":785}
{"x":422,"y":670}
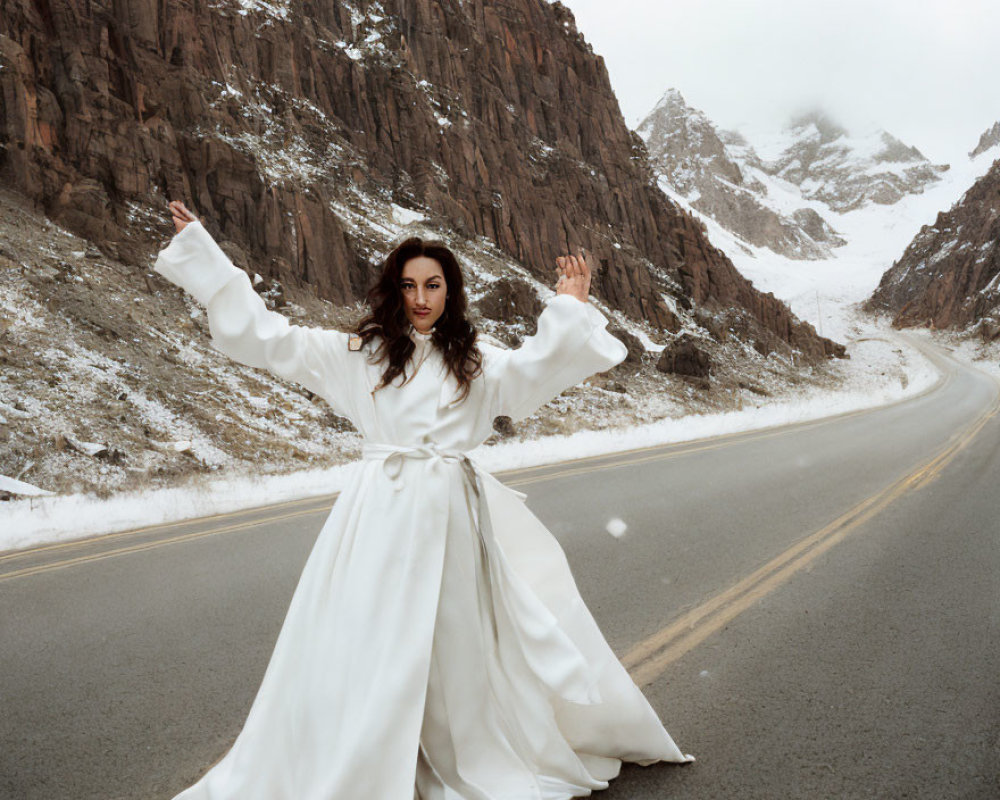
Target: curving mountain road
{"x":814,"y":610}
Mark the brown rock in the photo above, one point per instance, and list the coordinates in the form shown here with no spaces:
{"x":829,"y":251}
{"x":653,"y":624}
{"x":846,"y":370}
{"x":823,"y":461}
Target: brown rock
{"x":511,"y":300}
{"x":949,"y":275}
{"x":503,"y":427}
{"x":684,"y":357}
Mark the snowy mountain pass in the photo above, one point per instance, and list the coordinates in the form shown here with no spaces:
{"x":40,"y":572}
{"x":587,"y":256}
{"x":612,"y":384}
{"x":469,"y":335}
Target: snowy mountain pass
{"x":811,"y":212}
{"x":862,"y":547}
{"x":825,"y":292}
{"x":883,"y":368}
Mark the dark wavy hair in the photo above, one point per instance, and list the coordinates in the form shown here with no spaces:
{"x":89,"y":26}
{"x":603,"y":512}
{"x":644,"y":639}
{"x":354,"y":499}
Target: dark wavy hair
{"x":387,"y":324}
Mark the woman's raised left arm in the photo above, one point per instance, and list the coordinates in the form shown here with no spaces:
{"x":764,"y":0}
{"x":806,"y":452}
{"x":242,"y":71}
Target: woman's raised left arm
{"x":571,"y":344}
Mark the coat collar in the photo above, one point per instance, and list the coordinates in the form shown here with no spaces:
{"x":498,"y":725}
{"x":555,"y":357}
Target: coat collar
{"x":419,"y":337}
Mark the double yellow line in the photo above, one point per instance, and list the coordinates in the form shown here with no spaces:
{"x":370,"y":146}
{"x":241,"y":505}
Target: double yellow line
{"x":321,"y":504}
{"x":135,"y":548}
{"x":647,"y":660}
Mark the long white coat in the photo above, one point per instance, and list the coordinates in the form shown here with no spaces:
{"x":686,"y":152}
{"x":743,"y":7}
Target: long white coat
{"x":436,"y":646}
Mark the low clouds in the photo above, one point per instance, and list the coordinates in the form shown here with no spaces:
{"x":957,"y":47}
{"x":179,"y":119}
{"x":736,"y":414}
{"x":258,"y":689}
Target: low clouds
{"x":924,"y":70}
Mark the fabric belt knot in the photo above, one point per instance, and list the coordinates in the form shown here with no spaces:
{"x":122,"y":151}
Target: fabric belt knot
{"x":545,"y":647}
{"x":392,"y":457}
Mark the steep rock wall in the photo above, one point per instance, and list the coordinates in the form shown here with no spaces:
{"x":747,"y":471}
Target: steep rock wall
{"x":276,"y":119}
{"x":949,"y":275}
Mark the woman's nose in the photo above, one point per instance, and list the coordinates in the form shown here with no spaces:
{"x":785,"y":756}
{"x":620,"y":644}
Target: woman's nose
{"x":420,"y":296}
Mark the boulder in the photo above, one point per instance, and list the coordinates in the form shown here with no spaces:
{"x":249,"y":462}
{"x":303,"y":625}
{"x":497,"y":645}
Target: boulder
{"x":684,"y":357}
{"x":510,"y":300}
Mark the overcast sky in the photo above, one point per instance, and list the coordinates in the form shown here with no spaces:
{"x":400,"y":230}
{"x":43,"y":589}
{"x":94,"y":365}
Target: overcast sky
{"x":928,"y":72}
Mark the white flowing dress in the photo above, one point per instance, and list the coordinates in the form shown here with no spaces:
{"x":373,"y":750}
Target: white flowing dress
{"x":436,"y":646}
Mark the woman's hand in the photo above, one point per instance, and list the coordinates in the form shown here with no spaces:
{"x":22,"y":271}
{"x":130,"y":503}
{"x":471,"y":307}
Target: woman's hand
{"x":181,"y":215}
{"x":574,"y":277}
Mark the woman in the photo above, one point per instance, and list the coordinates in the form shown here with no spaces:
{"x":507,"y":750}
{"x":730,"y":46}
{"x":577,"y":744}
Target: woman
{"x":436,"y":646}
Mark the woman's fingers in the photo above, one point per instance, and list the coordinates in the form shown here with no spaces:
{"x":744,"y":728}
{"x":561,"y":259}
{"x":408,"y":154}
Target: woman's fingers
{"x":181,"y":211}
{"x":574,"y":276}
{"x":561,"y":270}
{"x":181,"y":215}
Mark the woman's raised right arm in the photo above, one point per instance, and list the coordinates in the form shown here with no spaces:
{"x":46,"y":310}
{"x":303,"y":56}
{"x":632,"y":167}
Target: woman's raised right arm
{"x":243,"y":328}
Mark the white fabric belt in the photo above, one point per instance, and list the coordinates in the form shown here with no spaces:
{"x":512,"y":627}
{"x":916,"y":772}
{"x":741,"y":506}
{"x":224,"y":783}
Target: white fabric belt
{"x":392,"y":457}
{"x":548,"y":651}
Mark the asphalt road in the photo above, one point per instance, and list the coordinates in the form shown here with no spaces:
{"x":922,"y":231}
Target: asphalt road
{"x":813,"y":610}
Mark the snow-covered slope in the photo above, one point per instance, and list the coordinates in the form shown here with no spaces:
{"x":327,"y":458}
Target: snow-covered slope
{"x":827,"y":292}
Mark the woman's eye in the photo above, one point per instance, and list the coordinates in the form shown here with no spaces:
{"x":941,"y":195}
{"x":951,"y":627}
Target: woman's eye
{"x":412,"y":287}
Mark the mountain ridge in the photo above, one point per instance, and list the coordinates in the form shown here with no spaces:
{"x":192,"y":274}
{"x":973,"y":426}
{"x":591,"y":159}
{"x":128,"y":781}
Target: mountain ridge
{"x":949,"y":274}
{"x":785,"y":190}
{"x":719,"y":174}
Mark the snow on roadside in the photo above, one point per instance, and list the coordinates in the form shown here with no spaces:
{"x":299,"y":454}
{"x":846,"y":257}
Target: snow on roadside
{"x":873,"y":379}
{"x":964,"y":347}
{"x":21,"y":488}
{"x":882,"y":370}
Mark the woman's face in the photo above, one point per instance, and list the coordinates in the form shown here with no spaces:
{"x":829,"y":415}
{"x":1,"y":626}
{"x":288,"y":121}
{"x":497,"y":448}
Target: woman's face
{"x":424,"y":292}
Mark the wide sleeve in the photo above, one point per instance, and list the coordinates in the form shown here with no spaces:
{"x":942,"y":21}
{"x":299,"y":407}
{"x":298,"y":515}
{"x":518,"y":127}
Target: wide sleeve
{"x":572,"y":343}
{"x":241,"y":325}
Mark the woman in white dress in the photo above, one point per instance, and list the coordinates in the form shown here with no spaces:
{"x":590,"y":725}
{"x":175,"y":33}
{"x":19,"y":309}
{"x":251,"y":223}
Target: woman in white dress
{"x":436,"y":646}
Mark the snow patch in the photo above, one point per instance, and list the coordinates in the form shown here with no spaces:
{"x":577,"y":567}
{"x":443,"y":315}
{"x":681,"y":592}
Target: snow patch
{"x":21,"y":488}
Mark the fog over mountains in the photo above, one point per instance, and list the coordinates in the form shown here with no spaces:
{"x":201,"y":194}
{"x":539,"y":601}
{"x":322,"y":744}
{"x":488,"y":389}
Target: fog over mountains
{"x":866,"y":216}
{"x":785,"y":190}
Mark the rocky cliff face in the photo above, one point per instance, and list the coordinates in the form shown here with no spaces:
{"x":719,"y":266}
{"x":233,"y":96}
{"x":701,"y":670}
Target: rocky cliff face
{"x":295,"y":127}
{"x":949,"y":275}
{"x":719,"y":174}
{"x":109,"y":380}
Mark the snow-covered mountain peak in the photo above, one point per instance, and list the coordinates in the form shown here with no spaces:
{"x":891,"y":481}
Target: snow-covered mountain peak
{"x":817,"y":125}
{"x":718,"y":174}
{"x":990,"y":140}
{"x":893,"y":150}
{"x":674,"y":125}
{"x":670,"y":99}
{"x":843,"y":169}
